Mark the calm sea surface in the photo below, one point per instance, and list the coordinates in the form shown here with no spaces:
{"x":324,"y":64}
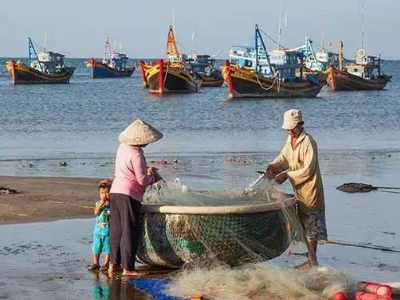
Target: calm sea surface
{"x":84,"y":118}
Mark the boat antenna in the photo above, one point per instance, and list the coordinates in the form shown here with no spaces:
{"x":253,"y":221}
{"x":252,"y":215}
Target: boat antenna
{"x":280,"y":24}
{"x":173,"y":15}
{"x":106,"y":48}
{"x":362,"y":26}
{"x":45,"y":40}
{"x":323,"y":33}
{"x":192,"y":42}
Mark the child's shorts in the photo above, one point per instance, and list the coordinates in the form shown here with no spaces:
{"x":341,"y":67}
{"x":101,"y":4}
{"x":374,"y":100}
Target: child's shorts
{"x":101,"y":244}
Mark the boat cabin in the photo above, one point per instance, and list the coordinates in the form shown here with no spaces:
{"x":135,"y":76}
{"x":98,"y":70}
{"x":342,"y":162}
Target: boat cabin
{"x":317,"y":61}
{"x":201,"y":63}
{"x":116,"y":61}
{"x":365,"y":66}
{"x":286,"y":62}
{"x":48,"y":62}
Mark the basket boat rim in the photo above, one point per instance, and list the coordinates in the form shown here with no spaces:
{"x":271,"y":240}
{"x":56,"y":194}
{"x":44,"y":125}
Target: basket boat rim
{"x":218,"y":210}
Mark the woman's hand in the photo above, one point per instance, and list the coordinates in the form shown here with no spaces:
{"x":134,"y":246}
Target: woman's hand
{"x":153,"y":172}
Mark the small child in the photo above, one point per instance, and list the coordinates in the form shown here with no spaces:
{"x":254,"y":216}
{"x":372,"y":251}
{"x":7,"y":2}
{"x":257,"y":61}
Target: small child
{"x":101,"y":234}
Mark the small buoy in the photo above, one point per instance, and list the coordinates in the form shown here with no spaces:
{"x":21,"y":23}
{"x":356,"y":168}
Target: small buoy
{"x":369,"y":296}
{"x":340,"y":296}
{"x":375,"y":288}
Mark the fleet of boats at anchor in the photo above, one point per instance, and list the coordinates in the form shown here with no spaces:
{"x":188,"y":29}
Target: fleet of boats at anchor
{"x":250,"y":71}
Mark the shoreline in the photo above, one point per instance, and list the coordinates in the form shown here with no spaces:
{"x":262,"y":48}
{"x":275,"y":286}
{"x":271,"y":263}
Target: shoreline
{"x":45,"y":199}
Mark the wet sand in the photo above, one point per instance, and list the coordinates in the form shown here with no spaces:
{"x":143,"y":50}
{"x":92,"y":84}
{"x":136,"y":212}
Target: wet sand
{"x":47,"y":198}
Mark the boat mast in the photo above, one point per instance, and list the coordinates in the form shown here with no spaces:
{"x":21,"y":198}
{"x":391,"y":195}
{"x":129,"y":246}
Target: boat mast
{"x":340,"y":55}
{"x":172,"y":49}
{"x":32,"y":54}
{"x":259,"y":43}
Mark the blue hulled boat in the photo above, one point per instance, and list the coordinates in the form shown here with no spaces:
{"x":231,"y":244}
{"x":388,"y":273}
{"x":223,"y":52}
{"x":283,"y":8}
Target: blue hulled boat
{"x":114,"y":64}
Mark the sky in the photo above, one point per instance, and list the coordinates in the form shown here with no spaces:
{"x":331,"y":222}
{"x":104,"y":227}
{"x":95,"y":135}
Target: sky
{"x":77,"y":28}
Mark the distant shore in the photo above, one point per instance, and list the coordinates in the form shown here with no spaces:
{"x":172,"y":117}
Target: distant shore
{"x":47,"y":199}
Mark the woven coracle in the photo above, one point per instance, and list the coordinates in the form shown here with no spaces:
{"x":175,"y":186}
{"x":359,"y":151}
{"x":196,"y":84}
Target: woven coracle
{"x":176,"y":235}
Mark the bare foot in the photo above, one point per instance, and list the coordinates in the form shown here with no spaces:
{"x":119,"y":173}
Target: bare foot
{"x":114,"y":268}
{"x":135,"y":273}
{"x":306,"y":266}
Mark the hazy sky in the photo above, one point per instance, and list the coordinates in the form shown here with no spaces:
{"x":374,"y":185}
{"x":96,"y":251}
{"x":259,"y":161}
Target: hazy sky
{"x":77,"y":28}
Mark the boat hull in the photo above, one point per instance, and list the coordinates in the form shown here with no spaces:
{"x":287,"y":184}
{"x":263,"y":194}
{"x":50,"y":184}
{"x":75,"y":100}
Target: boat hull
{"x":211,"y":81}
{"x":99,"y":70}
{"x":175,"y":80}
{"x":23,"y":74}
{"x":344,"y":81}
{"x":176,"y":238}
{"x":244,"y":83}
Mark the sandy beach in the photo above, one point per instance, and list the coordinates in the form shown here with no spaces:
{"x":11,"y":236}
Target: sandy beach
{"x":47,"y":199}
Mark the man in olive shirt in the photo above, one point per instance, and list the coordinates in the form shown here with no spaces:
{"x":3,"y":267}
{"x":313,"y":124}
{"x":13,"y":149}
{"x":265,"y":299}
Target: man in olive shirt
{"x":298,"y":161}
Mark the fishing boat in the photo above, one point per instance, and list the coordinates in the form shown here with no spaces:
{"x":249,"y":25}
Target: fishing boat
{"x":204,"y":66}
{"x":114,"y":64}
{"x":363,"y":74}
{"x":252,"y":72}
{"x":44,"y":67}
{"x":172,"y":75}
{"x":173,"y":236}
{"x":318,"y":61}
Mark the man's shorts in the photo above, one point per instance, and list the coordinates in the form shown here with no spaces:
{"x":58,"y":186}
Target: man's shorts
{"x":101,"y":244}
{"x":314,"y":225}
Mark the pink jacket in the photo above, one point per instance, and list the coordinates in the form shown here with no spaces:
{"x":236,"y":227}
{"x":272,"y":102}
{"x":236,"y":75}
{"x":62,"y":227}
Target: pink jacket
{"x":131,"y":172}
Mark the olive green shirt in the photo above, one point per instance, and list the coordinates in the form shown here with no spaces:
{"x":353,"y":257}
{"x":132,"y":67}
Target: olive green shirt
{"x":303,"y":172}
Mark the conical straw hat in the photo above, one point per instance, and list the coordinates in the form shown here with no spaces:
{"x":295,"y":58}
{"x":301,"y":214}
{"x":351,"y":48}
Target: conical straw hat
{"x":139,"y":133}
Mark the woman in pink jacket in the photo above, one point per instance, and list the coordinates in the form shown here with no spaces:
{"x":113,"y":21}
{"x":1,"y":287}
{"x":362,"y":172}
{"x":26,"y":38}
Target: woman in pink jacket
{"x":132,"y":176}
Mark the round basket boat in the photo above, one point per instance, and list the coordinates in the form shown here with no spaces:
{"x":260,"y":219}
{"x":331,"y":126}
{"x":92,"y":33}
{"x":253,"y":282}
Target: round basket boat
{"x":176,"y":235}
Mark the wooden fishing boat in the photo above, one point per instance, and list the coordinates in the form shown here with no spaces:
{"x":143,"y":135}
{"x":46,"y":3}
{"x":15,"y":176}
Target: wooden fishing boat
{"x":114,"y":64}
{"x":45,"y":67}
{"x":317,"y":61}
{"x":364,"y":74}
{"x":204,"y":66}
{"x":252,"y":72}
{"x":173,"y":236}
{"x":171,"y":76}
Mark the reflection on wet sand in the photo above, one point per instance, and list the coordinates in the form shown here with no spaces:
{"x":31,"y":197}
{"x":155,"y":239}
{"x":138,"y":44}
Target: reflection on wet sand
{"x":114,"y":288}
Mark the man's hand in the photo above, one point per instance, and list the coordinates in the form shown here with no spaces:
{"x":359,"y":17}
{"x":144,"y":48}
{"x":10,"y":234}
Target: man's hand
{"x":281,"y":177}
{"x":270,"y":172}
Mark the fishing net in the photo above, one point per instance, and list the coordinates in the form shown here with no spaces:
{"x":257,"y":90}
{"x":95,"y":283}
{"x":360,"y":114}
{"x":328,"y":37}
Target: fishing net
{"x":183,"y":227}
{"x":259,"y":281}
{"x":231,"y":244}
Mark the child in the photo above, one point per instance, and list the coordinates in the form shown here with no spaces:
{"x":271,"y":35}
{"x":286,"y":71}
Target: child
{"x":101,"y":234}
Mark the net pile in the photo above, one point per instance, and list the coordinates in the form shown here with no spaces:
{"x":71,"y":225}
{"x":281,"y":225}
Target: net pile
{"x":182,"y":227}
{"x":260,"y":281}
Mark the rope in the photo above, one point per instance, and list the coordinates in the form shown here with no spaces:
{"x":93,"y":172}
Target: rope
{"x":268,"y":37}
{"x":276,"y":77}
{"x":372,"y":247}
